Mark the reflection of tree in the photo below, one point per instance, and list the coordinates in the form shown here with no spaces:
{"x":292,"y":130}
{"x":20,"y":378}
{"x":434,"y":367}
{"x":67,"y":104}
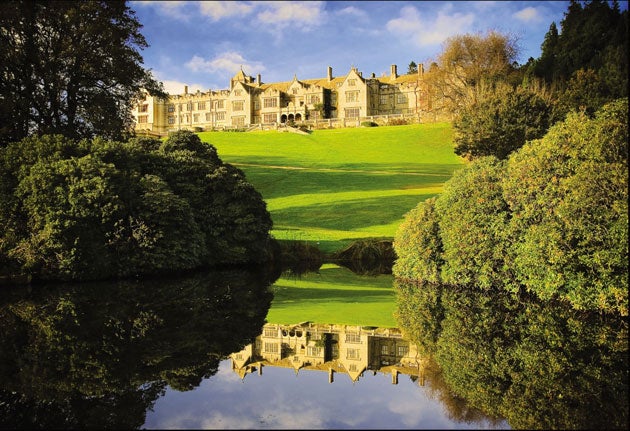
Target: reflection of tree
{"x":537,"y":365}
{"x":100,"y":354}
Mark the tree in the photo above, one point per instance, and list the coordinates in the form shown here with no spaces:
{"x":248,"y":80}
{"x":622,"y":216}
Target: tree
{"x":495,"y":120}
{"x":413,"y":68}
{"x":468,"y":60}
{"x":568,"y":194}
{"x":70,"y":68}
{"x":593,"y":36}
{"x":95,"y":209}
{"x":551,"y":219}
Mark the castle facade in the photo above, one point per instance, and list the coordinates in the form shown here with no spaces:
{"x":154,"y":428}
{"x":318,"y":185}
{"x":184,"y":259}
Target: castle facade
{"x":251,"y":102}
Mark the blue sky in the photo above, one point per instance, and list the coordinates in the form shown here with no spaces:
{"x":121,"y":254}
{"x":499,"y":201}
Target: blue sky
{"x":203,"y":44}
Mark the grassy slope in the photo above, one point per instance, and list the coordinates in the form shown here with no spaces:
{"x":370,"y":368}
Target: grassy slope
{"x":334,"y":186}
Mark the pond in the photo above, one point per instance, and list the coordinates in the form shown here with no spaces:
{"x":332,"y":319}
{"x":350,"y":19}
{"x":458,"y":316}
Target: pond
{"x":197,"y":352}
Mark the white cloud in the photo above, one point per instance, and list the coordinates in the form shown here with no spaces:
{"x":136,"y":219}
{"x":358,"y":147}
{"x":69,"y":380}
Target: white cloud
{"x":221,"y":9}
{"x":177,"y":87}
{"x":529,"y":14}
{"x":433,"y":32}
{"x":353,"y":11}
{"x":229,"y":62}
{"x":303,"y":15}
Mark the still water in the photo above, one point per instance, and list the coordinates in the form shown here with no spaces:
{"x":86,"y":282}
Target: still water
{"x":196,"y":352}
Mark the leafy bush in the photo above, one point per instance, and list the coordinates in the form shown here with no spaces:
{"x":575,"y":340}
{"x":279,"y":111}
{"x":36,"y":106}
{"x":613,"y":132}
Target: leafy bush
{"x":79,"y":210}
{"x":397,"y":122}
{"x":369,"y":124}
{"x":552,"y":219}
{"x":497,"y":119}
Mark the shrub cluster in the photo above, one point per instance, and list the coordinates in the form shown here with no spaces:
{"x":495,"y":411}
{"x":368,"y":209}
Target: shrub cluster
{"x":397,"y":122}
{"x":369,"y":124}
{"x":552,"y":218}
{"x":96,"y":209}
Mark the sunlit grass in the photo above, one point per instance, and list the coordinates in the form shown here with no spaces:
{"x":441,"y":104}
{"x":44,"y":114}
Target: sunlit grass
{"x":336,"y":186}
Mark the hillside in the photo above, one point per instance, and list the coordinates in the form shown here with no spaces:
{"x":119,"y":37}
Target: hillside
{"x":335,"y":186}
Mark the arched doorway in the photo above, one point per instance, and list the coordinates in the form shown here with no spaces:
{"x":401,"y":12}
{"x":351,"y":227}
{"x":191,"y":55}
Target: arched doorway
{"x":298,"y":117}
{"x":283,"y":118}
{"x":291,"y":117}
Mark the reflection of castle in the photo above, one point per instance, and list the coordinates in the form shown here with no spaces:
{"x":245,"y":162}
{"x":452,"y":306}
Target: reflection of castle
{"x":331,"y":348}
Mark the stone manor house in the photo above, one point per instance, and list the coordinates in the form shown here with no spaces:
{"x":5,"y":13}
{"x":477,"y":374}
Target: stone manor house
{"x":250,"y":103}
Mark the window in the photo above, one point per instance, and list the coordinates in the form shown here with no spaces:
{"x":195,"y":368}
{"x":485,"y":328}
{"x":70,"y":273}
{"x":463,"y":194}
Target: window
{"x":270,"y":332}
{"x":313,"y":351}
{"x":201,"y":106}
{"x":238,"y":105}
{"x":171,"y":119}
{"x":352,"y":354}
{"x":256,"y":105}
{"x":143,"y":108}
{"x":221,"y":115}
{"x":171,"y":108}
{"x":195,"y":118}
{"x":295,"y":91}
{"x":208,"y":116}
{"x":189,"y":106}
{"x":352,"y":82}
{"x":142,"y":119}
{"x":219,"y":104}
{"x":238,"y":121}
{"x":353,"y":338}
{"x":238,"y":92}
{"x":403,"y":350}
{"x":270,"y":118}
{"x":314,"y":99}
{"x":384,"y":99}
{"x":239,"y":356}
{"x":352,"y":112}
{"x":384,"y":349}
{"x":401,"y":99}
{"x":271,"y":347}
{"x":352,"y":96}
{"x":270,"y":102}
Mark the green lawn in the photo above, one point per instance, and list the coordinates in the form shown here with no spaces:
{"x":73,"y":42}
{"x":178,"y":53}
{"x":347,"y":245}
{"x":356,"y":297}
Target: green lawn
{"x":334,"y":186}
{"x":334,"y":295}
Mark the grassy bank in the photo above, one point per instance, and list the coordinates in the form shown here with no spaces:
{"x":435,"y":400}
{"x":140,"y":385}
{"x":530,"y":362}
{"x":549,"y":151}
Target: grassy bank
{"x":334,"y":186}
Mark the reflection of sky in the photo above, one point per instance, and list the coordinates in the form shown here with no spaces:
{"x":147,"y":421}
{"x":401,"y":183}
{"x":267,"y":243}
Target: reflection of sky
{"x":281,"y":399}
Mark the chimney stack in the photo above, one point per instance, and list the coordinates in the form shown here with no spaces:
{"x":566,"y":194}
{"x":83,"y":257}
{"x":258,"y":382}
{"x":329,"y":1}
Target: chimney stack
{"x":394,"y":71}
{"x":329,"y":74}
{"x":185,"y":89}
{"x":258,"y":79}
{"x":421,"y":69}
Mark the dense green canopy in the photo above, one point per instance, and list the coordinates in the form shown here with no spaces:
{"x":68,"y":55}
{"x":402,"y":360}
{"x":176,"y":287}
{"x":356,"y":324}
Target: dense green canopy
{"x":552,"y":219}
{"x":95,"y":209}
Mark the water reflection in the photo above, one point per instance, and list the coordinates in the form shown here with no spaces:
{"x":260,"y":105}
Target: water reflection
{"x":334,"y":349}
{"x":540,"y":365}
{"x":98,"y":355}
